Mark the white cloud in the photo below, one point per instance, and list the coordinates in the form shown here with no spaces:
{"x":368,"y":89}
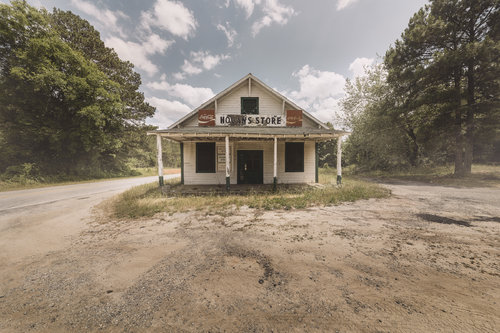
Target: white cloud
{"x":167,"y":111}
{"x":190,"y":69}
{"x":200,"y":61}
{"x":274,"y":12}
{"x":359,"y":65}
{"x":138,"y":53}
{"x":179,"y":76}
{"x":194,"y":96}
{"x":247,"y":5}
{"x":328,"y":109}
{"x":341,"y":4}
{"x":171,"y":16}
{"x":319,"y":92}
{"x":207,"y":60}
{"x":155,"y":44}
{"x":105,"y":17}
{"x":316,"y":84}
{"x":229,"y":32}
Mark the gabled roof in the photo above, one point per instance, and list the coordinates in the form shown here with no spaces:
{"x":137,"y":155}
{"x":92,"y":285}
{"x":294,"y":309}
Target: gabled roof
{"x":236,"y":84}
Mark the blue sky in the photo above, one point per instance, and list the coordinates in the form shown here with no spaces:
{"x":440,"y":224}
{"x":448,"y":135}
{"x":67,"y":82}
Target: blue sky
{"x":187,"y":51}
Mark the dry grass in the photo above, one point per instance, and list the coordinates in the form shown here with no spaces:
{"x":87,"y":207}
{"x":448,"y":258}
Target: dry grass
{"x":482,"y":176}
{"x":142,"y":172}
{"x":153,"y":171}
{"x":147,"y":200}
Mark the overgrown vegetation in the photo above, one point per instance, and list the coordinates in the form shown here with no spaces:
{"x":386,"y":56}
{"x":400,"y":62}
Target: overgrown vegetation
{"x":70,"y":109}
{"x":482,"y":175}
{"x":20,"y":182}
{"x":147,"y":200}
{"x":435,"y":100}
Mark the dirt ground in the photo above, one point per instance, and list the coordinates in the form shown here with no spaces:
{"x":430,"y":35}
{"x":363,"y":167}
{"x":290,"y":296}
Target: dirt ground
{"x":426,"y":259}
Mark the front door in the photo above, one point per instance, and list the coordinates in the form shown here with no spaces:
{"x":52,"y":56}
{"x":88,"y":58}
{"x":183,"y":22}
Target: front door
{"x":250,"y":167}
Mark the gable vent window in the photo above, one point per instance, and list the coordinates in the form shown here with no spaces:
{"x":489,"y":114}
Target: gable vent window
{"x":205,"y":157}
{"x":294,"y":157}
{"x":249,"y":105}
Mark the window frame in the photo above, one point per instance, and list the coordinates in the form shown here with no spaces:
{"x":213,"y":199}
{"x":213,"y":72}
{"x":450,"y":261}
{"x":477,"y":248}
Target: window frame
{"x":288,"y":146}
{"x":249,"y":98}
{"x":213,"y":168}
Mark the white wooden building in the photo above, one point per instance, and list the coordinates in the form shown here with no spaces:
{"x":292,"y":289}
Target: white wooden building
{"x":248,"y":134}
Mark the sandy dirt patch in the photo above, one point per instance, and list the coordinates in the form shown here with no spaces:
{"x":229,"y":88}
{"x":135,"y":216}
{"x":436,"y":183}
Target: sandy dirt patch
{"x":426,"y":259}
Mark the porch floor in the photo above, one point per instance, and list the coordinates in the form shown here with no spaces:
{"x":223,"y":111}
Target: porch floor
{"x":235,"y":189}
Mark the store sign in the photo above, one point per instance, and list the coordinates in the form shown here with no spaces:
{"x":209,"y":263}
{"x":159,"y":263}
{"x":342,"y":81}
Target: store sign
{"x":249,"y":120}
{"x":206,"y":118}
{"x":293,"y":118}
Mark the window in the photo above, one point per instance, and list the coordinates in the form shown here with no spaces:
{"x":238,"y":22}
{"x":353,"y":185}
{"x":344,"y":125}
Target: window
{"x":294,"y":156}
{"x":249,"y":105}
{"x":205,"y":157}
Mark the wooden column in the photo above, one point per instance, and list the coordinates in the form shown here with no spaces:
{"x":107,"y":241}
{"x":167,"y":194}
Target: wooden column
{"x":339,"y":160}
{"x":160,"y":161}
{"x":228,"y":165}
{"x":275,"y":164}
{"x":316,"y":161}
{"x":182,"y":161}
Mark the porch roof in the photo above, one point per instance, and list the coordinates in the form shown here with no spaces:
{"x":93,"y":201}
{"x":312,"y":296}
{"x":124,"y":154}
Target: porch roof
{"x":262,"y":132}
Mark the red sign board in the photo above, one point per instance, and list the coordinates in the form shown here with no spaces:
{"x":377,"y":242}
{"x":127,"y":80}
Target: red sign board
{"x":293,"y":118}
{"x":206,"y":118}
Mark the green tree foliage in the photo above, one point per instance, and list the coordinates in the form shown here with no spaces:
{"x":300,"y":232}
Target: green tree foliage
{"x":381,"y":138}
{"x":436,"y":97}
{"x":68,"y":104}
{"x":446,"y":68}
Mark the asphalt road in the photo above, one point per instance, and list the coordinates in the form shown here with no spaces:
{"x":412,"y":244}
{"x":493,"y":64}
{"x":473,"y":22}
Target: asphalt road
{"x":37,"y":221}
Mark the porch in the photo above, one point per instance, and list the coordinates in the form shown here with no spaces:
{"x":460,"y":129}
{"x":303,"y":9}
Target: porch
{"x":179,"y":190}
{"x":223,"y":157}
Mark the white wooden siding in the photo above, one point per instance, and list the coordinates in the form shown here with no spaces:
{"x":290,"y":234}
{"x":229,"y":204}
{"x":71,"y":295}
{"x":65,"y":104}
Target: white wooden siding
{"x":269,"y":104}
{"x":307,"y":123}
{"x":308,"y":176}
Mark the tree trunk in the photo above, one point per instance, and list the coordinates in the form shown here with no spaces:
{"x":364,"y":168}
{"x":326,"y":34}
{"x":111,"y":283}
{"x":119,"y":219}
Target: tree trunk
{"x":413,"y":149}
{"x":459,"y":140}
{"x":471,"y":101}
{"x":469,"y":120}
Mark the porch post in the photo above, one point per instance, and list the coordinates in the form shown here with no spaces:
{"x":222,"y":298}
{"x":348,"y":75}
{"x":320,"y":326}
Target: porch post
{"x":275,"y":164}
{"x":228,"y":165}
{"x":182,"y":161}
{"x":339,"y":160}
{"x":160,"y":161}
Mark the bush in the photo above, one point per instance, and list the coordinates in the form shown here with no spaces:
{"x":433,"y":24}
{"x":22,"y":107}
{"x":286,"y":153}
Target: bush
{"x":26,"y":173}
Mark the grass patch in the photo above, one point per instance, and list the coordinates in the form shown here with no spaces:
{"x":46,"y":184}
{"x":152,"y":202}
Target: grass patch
{"x":154,"y":171}
{"x":482,"y":176}
{"x":147,"y":200}
{"x":20,"y":184}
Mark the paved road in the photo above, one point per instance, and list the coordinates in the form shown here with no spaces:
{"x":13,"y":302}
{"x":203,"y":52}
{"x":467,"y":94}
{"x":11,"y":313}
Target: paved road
{"x":37,"y":221}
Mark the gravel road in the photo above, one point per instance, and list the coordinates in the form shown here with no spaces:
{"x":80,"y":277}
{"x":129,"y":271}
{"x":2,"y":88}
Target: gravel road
{"x":37,"y":221}
{"x":424,"y":260}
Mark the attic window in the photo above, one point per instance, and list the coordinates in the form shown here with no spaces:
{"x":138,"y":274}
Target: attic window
{"x":249,"y":105}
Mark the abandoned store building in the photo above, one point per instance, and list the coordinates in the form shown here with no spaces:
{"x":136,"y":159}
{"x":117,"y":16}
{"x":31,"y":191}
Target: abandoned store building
{"x":248,"y":134}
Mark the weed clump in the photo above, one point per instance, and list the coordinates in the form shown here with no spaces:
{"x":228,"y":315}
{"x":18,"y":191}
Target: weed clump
{"x":147,"y":200}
